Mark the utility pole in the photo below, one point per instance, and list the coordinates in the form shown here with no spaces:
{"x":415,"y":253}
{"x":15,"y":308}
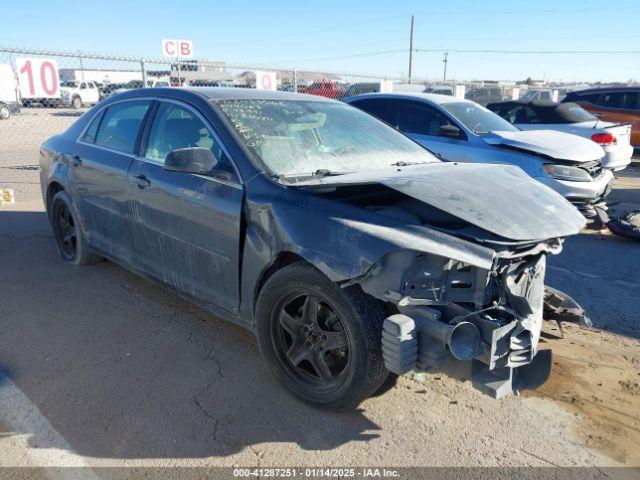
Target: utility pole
{"x":444,"y":60}
{"x":410,"y":48}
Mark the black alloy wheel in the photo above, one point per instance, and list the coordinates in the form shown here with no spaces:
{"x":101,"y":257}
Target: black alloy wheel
{"x":66,"y":232}
{"x":311,"y":339}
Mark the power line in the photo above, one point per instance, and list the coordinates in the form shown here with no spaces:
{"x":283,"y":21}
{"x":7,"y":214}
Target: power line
{"x":531,"y":10}
{"x":531,"y":52}
{"x":453,"y":50}
{"x":343,"y":57}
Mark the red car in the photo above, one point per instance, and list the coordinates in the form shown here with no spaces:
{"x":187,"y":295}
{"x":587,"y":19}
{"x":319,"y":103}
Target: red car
{"x":323,"y":89}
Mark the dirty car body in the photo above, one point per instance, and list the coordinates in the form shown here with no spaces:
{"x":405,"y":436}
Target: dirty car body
{"x":345,"y":251}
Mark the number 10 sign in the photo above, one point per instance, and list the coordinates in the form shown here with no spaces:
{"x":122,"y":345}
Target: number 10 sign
{"x":38,"y":78}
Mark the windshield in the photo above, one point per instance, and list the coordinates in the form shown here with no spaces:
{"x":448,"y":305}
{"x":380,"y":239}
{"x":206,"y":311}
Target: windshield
{"x":530,"y":95}
{"x":301,"y":137}
{"x":478,"y":119}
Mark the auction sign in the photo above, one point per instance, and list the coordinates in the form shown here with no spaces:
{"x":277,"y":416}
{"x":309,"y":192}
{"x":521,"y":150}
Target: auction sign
{"x":38,"y":78}
{"x":177,"y":48}
{"x":265,"y":80}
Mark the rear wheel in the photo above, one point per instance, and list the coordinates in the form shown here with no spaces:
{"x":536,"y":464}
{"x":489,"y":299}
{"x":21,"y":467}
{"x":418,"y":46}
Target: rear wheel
{"x":76,"y":102}
{"x":321,"y":341}
{"x":71,"y":243}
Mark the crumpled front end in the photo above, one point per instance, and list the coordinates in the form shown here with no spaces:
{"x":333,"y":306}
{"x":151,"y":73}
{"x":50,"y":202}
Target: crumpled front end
{"x":489,"y":318}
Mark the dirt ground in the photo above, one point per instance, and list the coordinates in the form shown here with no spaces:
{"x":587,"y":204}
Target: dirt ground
{"x":99,"y":367}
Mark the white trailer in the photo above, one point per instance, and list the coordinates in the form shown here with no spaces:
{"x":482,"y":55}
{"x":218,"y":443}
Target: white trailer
{"x":9,"y":92}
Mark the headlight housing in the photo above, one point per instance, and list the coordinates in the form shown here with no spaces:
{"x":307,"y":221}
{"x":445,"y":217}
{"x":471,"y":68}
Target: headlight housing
{"x":566,"y":172}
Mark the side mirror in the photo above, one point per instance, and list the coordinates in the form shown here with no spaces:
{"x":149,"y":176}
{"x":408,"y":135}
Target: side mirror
{"x":449,"y":131}
{"x":198,"y":160}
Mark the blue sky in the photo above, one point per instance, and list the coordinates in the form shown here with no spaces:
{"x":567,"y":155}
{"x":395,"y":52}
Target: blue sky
{"x":350,"y":36}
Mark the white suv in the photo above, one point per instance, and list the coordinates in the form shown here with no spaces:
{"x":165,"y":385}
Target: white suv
{"x":77,"y":94}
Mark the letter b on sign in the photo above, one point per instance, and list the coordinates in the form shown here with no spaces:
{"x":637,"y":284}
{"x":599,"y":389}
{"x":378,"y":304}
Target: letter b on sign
{"x":177,"y":48}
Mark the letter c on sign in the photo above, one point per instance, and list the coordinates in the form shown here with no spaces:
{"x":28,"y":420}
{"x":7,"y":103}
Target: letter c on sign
{"x":169,"y":47}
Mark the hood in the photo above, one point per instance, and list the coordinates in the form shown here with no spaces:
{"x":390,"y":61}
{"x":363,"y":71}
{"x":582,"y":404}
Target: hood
{"x":500,"y":199}
{"x":552,"y":144}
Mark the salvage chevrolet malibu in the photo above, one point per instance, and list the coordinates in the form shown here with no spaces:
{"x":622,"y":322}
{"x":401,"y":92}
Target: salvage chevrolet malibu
{"x":347,"y":248}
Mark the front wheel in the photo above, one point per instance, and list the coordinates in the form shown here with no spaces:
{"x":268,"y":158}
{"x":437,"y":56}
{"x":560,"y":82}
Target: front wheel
{"x":76,"y":102}
{"x":321,"y":341}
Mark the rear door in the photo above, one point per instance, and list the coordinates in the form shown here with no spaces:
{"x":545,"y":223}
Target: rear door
{"x":186,"y":227}
{"x":104,"y":153}
{"x":623,"y":107}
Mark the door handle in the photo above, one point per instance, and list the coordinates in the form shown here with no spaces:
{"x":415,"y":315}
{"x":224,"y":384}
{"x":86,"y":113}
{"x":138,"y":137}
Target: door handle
{"x":141,"y":181}
{"x":76,"y":161}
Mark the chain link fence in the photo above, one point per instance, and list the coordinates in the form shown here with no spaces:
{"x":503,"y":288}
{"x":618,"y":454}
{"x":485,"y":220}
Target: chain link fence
{"x":43,"y":92}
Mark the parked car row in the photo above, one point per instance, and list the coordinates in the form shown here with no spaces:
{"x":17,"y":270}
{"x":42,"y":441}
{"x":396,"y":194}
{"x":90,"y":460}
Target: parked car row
{"x":460,"y":130}
{"x":351,"y":251}
{"x":569,"y":117}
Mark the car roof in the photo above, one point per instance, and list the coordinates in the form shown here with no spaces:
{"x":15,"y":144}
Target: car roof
{"x":226,"y":93}
{"x":533,"y":103}
{"x":429,"y":97}
{"x":606,"y":89}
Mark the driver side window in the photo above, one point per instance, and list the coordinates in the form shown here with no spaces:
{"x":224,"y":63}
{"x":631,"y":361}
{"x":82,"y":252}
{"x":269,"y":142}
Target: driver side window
{"x":176,"y":127}
{"x":414,"y":117}
{"x":522,"y":115}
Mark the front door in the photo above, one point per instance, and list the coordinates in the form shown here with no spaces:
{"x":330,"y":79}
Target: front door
{"x":421,"y":123}
{"x":186,"y":227}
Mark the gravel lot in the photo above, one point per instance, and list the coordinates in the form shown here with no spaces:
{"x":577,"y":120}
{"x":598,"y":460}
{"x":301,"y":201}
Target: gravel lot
{"x":102,"y":368}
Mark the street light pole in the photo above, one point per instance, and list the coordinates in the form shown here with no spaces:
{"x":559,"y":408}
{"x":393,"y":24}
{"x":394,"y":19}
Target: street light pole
{"x":410,"y":49}
{"x":444,"y":60}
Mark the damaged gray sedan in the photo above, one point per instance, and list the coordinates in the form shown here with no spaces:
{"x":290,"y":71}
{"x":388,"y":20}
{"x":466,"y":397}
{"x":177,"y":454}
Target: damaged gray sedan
{"x":347,"y":248}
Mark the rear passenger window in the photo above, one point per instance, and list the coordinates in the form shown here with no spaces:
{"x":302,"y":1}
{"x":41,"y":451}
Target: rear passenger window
{"x":619,"y":100}
{"x":120,"y":125}
{"x":90,"y":134}
{"x":377,"y":108}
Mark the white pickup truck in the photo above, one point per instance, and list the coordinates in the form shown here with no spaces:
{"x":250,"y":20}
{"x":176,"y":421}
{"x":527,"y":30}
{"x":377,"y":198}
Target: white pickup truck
{"x":78,"y":94}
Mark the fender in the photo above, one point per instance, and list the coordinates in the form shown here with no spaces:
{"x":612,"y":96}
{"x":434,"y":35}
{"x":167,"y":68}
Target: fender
{"x":359,"y":238}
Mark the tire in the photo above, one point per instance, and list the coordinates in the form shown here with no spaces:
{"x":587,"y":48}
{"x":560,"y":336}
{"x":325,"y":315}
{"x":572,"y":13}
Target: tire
{"x":76,"y":102}
{"x":5,"y":112}
{"x":70,"y":240}
{"x":333,"y":358}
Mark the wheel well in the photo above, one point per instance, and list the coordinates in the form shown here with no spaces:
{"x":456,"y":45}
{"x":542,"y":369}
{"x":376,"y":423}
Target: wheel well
{"x":54,"y":187}
{"x":282,"y":260}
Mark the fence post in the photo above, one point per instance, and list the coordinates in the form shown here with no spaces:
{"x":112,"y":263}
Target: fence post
{"x":143,"y":67}
{"x":295,"y":81}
